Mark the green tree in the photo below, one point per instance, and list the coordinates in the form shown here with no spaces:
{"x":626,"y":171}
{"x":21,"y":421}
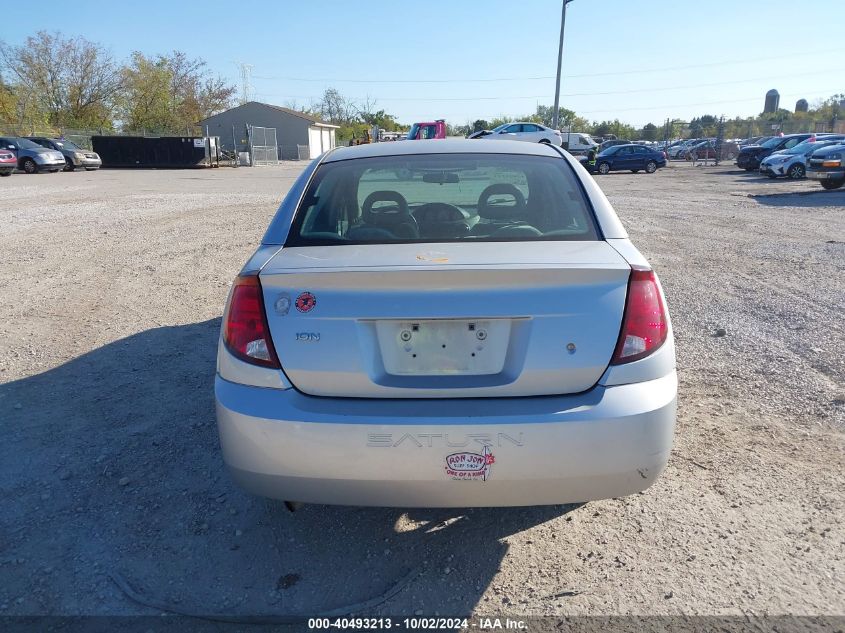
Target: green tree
{"x":194,"y":92}
{"x":74,"y":82}
{"x":705,"y":125}
{"x":615,"y":127}
{"x":566,"y":118}
{"x":170,"y":92}
{"x":500,"y":120}
{"x":458,"y":130}
{"x":337,"y":109}
{"x":650,"y":132}
{"x":146,"y":103}
{"x":383,"y":120}
{"x":19,"y":106}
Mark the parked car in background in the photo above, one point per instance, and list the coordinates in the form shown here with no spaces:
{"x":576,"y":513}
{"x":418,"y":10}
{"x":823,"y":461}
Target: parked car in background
{"x":31,"y":157}
{"x":793,"y":162}
{"x":75,"y":156}
{"x":632,"y":157}
{"x":521,"y":131}
{"x":8,"y":162}
{"x":750,"y":156}
{"x":679,"y":151}
{"x":827,"y":165}
{"x":612,"y":143}
{"x":672,"y":145}
{"x":754,"y":140}
{"x":481,"y":334}
{"x":707,"y":150}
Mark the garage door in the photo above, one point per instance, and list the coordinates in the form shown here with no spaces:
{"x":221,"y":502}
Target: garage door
{"x":314,"y":148}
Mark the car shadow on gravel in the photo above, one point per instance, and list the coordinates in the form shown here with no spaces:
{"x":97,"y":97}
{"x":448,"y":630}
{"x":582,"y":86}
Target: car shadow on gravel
{"x":117,"y":497}
{"x":820,"y":198}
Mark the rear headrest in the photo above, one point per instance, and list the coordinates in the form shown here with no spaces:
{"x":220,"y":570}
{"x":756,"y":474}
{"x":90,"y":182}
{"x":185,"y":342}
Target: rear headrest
{"x":500,"y":212}
{"x":394,"y":213}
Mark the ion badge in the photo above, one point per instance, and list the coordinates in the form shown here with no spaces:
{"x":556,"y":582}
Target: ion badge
{"x":306,"y":302}
{"x":470,"y":466}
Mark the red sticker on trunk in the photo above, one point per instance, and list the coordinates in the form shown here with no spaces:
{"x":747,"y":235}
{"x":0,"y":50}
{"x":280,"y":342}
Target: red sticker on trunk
{"x":306,"y":302}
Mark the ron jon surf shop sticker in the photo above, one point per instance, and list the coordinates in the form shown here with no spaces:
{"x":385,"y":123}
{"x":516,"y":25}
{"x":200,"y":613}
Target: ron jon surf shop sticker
{"x":470,"y":466}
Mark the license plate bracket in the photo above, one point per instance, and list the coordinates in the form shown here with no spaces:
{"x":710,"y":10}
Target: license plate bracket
{"x":443,"y":347}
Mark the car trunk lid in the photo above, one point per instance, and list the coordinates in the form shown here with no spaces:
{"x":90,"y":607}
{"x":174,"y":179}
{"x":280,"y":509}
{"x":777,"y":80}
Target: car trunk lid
{"x":487,"y":319}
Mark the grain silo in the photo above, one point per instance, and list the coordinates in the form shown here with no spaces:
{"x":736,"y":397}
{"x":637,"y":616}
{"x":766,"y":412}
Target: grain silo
{"x":772,"y":101}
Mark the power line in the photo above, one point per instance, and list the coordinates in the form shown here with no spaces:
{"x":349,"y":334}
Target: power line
{"x":677,"y":105}
{"x":546,"y":77}
{"x":571,"y":94}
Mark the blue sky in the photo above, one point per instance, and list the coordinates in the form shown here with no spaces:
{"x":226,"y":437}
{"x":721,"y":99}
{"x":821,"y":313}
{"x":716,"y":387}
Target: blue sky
{"x":636,"y":60}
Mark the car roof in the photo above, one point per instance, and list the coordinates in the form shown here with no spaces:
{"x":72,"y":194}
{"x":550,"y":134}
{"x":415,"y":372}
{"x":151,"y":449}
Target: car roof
{"x":440,"y":146}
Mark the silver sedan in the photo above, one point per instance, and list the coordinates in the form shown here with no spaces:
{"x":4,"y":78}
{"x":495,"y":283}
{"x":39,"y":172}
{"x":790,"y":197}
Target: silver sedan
{"x":446,"y":324}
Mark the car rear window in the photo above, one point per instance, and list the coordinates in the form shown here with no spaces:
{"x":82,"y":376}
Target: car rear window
{"x":442,"y":198}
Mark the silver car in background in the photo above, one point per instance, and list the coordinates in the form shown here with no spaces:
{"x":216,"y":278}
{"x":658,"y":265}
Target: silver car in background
{"x":74,"y":155}
{"x":446,"y":324}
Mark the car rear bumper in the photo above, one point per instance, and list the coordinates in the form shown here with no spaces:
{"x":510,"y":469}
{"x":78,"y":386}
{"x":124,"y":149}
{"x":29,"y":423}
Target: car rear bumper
{"x":833,"y":174}
{"x":607,"y":442}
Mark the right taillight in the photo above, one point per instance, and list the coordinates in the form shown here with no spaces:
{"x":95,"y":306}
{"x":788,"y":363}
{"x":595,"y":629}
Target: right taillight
{"x":645,"y":325}
{"x":245,"y":330}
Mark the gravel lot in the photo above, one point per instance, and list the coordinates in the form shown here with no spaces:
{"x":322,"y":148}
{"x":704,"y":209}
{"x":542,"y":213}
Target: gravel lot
{"x":111,"y":290}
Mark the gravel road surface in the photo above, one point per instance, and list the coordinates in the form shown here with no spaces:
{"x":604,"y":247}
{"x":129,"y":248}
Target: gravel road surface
{"x":111,"y":288}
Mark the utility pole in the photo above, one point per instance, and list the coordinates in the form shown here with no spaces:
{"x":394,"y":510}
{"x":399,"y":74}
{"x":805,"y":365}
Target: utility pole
{"x":555,"y":114}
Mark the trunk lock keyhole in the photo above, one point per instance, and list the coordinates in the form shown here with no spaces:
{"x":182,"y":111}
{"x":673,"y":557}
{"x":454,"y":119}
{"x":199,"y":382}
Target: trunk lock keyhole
{"x":405,"y":335}
{"x":481,"y":335}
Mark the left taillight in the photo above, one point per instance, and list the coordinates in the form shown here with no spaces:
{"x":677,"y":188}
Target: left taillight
{"x":245,"y":330}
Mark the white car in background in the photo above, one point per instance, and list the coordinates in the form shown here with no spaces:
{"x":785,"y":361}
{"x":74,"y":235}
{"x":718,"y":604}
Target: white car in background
{"x":522,"y":131}
{"x":792,"y":162}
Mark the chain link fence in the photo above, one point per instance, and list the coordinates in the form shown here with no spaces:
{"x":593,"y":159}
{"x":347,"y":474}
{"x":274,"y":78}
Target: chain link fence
{"x":264,"y":149}
{"x":293,"y":152}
